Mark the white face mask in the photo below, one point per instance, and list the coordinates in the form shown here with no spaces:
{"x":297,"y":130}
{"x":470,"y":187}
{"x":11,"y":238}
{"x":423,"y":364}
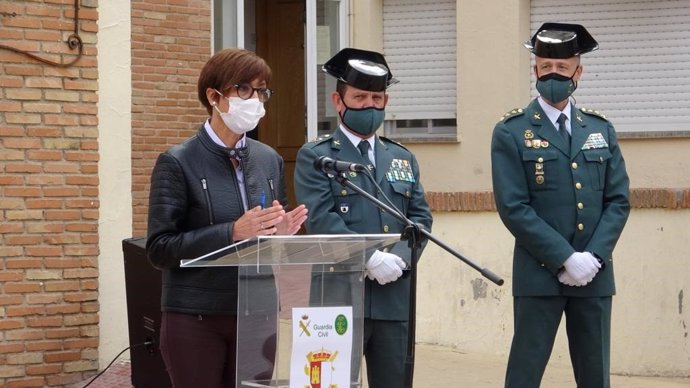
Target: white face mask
{"x":242,"y":115}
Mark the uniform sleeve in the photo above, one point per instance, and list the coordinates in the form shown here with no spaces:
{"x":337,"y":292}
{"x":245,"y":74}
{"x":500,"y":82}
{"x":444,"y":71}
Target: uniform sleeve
{"x":512,"y":196}
{"x":417,"y":211}
{"x":616,"y":204}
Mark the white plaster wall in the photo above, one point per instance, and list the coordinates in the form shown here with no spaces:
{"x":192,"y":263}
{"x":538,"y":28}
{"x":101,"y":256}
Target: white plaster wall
{"x":115,"y":172}
{"x":457,"y":307}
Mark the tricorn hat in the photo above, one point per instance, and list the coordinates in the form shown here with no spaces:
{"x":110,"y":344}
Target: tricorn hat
{"x":561,"y":40}
{"x":366,"y":70}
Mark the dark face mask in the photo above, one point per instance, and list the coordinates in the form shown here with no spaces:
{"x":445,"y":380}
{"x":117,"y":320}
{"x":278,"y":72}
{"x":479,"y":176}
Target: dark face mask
{"x":363,"y":121}
{"x":555,"y":87}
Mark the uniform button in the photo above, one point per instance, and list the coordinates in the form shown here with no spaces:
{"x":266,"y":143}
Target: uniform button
{"x":574,"y":165}
{"x":580,"y":205}
{"x":540,"y":160}
{"x":580,"y":226}
{"x":578,"y":185}
{"x":343,"y":193}
{"x":385,"y":228}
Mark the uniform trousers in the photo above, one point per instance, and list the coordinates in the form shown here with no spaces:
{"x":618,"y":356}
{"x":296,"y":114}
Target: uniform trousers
{"x":385,"y":345}
{"x":588,"y":326}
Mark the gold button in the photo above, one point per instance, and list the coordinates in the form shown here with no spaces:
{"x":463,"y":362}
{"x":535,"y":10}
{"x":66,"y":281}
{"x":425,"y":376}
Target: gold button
{"x":385,"y":228}
{"x":574,"y":165}
{"x":343,"y":193}
{"x":580,"y":227}
{"x":580,"y":205}
{"x":540,"y":160}
{"x":578,"y":185}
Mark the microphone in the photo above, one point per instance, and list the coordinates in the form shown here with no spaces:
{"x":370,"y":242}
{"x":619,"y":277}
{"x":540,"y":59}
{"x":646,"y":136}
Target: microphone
{"x":331,"y":166}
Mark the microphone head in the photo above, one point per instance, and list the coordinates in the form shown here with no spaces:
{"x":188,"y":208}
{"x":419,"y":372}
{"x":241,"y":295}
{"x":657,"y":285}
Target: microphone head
{"x":323,"y":164}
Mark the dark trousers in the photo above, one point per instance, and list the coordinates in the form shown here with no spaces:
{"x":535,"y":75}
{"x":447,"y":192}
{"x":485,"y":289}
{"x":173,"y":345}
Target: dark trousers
{"x":385,"y":345}
{"x":588,"y":326}
{"x":199,"y":351}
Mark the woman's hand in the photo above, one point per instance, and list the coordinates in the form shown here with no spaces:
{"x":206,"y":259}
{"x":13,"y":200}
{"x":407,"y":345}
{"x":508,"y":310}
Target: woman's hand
{"x":259,"y":222}
{"x":292,"y":220}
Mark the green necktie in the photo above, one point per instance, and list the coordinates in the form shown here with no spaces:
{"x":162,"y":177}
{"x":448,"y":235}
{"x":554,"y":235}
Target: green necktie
{"x":364,"y":150}
{"x":562,"y":129}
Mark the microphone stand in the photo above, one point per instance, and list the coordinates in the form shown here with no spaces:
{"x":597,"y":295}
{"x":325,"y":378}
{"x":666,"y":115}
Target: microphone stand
{"x":414,"y":234}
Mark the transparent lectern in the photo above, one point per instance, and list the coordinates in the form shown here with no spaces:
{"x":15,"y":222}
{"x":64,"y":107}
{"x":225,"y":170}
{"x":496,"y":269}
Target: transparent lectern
{"x":279,"y":273}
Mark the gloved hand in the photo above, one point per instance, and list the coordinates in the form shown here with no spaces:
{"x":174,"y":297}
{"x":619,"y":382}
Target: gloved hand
{"x":384,"y":267}
{"x":565,"y":278}
{"x":582,"y":266}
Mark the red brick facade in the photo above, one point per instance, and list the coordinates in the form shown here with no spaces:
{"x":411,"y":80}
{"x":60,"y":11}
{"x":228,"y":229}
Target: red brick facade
{"x":171,"y":41}
{"x":48,"y":194}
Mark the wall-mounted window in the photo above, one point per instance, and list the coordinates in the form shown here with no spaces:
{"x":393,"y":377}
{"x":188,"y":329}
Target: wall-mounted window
{"x":419,"y":42}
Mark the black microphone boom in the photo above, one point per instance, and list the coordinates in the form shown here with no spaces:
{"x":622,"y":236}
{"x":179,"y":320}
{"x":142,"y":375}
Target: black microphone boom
{"x":332,"y":166}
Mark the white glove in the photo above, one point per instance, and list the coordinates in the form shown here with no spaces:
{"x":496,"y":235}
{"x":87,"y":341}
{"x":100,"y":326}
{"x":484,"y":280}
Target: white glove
{"x":565,"y":278}
{"x":582,"y":266}
{"x":384,"y":267}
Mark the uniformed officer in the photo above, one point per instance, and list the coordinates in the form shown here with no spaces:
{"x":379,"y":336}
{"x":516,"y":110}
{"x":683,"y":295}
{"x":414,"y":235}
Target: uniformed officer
{"x":561,"y":189}
{"x":360,"y":99}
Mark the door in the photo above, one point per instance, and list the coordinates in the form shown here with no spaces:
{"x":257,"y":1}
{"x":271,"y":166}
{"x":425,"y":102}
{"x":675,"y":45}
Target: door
{"x":296,"y":37}
{"x":280,"y":41}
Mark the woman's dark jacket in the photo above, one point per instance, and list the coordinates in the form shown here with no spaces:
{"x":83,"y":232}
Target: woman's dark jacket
{"x":193,"y":205}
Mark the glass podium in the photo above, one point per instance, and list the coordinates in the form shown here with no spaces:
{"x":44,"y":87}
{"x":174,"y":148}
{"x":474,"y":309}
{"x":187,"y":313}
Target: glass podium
{"x":279,"y":274}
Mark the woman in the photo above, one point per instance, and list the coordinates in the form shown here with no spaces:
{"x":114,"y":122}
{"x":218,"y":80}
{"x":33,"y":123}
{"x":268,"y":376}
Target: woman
{"x":216,"y":188}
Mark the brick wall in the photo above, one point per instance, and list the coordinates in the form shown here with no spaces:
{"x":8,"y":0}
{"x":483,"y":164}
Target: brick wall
{"x":171,"y":41}
{"x":48,"y":195}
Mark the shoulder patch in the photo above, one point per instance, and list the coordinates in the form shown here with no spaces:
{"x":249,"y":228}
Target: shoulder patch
{"x":593,"y":112}
{"x":512,"y":113}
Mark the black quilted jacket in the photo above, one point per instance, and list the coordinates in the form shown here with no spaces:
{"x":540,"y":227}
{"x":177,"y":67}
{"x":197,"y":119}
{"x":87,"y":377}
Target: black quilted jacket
{"x":193,"y":204}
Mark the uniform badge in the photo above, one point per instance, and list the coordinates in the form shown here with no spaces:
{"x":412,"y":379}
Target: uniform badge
{"x":528,"y":143}
{"x":595,"y":140}
{"x":544,"y":144}
{"x":344,"y":207}
{"x":529,"y":134}
{"x":352,"y":174}
{"x":400,"y":170}
{"x":536,"y":116}
{"x":536,"y":143}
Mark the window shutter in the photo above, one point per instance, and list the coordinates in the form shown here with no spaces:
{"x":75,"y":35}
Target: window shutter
{"x":640,"y":76}
{"x":419,"y":42}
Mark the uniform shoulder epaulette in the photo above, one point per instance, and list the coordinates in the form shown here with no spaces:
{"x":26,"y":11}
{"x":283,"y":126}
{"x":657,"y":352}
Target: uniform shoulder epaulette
{"x":593,"y":112}
{"x":512,"y":113}
{"x":320,"y":139}
{"x":383,"y":138}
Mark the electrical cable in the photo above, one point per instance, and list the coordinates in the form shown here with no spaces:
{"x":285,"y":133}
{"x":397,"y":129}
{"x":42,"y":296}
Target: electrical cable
{"x":147,"y":343}
{"x":73,"y":41}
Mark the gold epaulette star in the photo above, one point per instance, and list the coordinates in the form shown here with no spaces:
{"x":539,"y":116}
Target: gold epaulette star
{"x":511,"y":113}
{"x":593,"y":112}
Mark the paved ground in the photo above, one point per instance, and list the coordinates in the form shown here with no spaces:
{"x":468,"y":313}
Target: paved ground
{"x":441,"y":367}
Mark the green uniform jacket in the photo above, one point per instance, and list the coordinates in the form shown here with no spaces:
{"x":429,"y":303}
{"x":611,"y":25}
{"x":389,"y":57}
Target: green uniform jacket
{"x":334,"y":209}
{"x":556,"y":201}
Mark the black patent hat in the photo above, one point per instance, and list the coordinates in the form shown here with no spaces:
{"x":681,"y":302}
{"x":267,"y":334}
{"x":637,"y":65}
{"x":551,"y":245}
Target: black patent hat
{"x":561,"y":40}
{"x":366,"y":70}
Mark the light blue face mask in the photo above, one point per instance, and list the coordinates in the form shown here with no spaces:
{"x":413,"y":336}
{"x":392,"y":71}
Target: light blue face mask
{"x":555,"y":87}
{"x":363,"y":121}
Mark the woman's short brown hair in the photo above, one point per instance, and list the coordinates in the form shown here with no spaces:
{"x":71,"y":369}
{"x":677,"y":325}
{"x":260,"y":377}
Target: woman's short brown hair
{"x":229,"y":67}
